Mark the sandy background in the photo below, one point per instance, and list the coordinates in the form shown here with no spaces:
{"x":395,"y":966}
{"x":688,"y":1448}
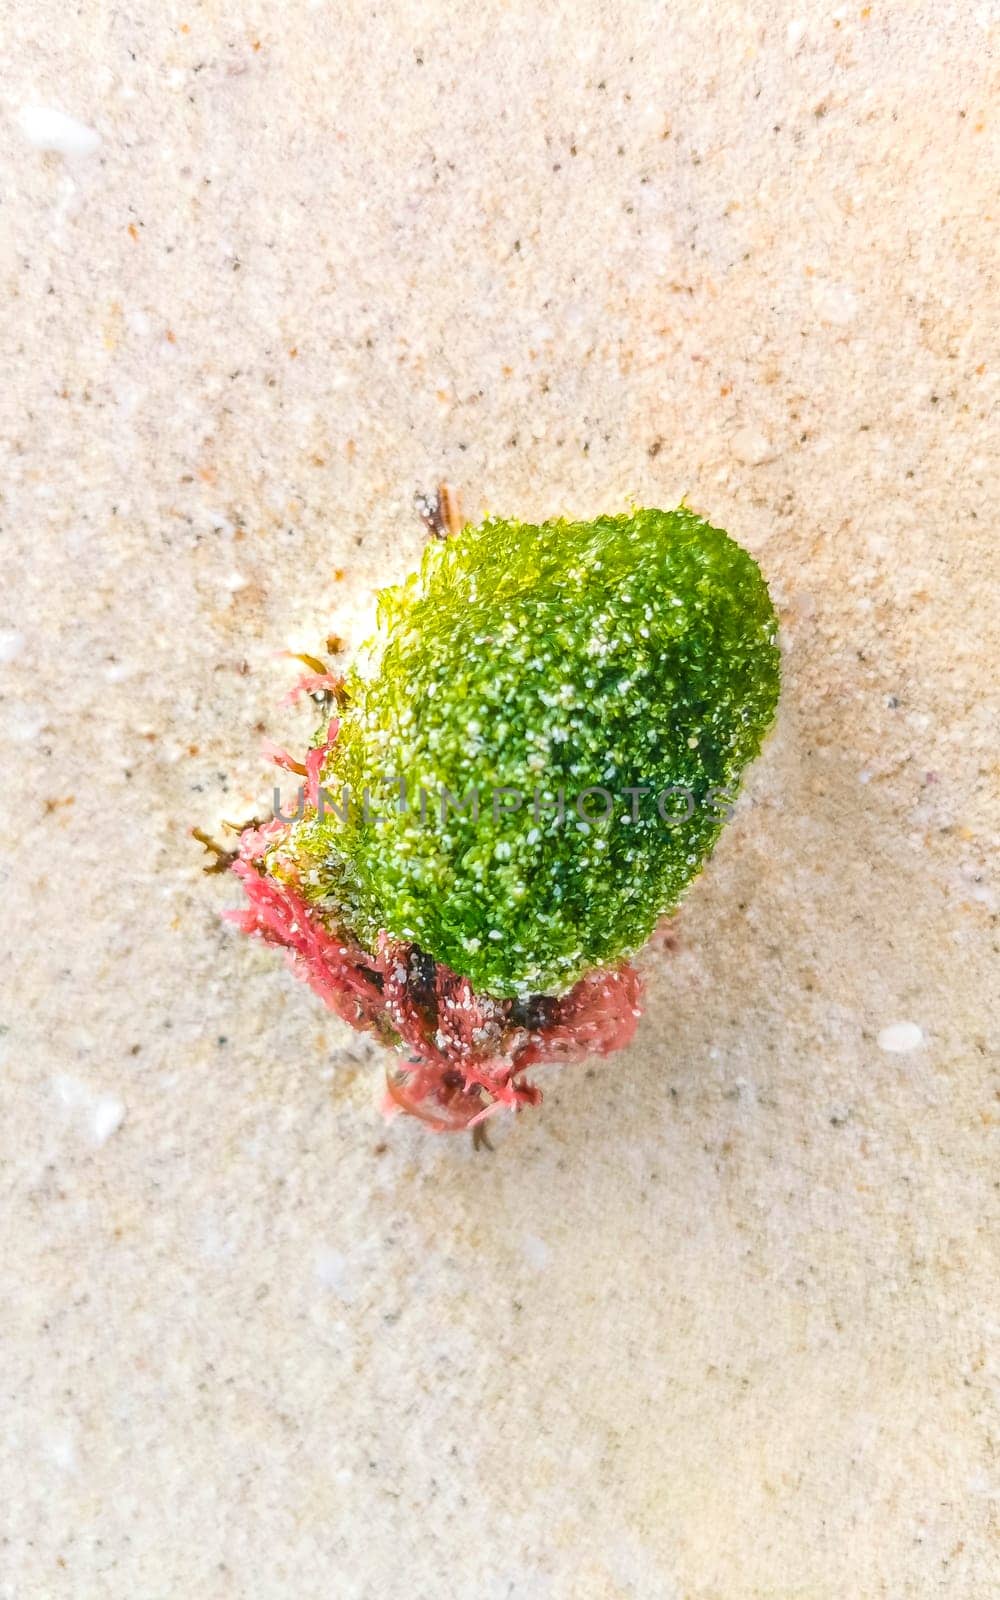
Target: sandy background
{"x":720,"y":1321}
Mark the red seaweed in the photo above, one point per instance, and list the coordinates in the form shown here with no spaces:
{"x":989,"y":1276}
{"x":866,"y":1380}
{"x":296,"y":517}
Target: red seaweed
{"x":461,"y":1055}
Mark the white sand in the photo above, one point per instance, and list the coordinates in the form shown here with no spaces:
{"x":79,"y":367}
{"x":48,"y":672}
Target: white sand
{"x":720,"y":1321}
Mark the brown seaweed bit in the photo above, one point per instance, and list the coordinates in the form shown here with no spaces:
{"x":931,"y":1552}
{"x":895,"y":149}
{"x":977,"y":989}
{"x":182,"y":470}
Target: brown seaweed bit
{"x":481,"y":1138}
{"x":281,"y":758}
{"x":534,"y":1013}
{"x":441,"y":512}
{"x":410,"y":1017}
{"x":312,"y":662}
{"x":429,"y":511}
{"x":224,"y":857}
{"x":422,"y":976}
{"x":372,"y":977}
{"x":451,"y":508}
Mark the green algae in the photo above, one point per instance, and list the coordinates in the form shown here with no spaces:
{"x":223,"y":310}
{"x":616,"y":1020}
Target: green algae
{"x":630,"y":653}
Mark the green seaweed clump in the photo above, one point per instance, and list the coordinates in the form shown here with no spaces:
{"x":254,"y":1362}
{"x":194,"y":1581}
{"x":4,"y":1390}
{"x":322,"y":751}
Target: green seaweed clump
{"x":539,"y":747}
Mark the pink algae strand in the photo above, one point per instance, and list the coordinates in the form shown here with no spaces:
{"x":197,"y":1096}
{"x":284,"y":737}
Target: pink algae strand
{"x":461,"y":1054}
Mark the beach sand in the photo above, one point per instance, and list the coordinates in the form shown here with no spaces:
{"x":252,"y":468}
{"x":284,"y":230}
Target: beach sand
{"x":719,"y":1320}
